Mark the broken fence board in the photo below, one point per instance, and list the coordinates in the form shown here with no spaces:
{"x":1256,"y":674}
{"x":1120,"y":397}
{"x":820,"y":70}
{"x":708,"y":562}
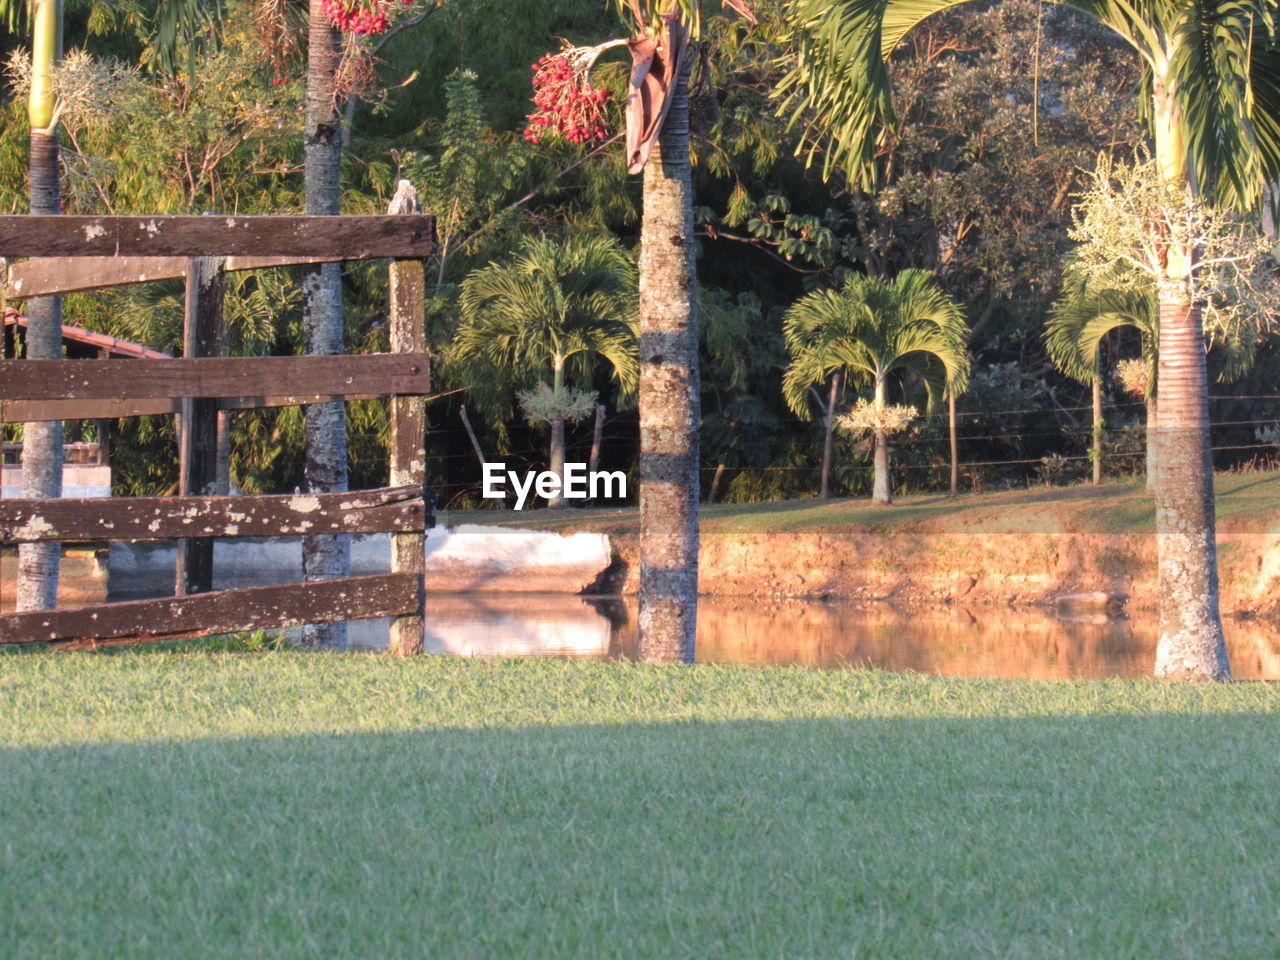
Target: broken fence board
{"x":223,"y":611}
{"x":330,"y":237}
{"x":364,"y":375}
{"x":384,"y":510}
{"x":49,"y":276}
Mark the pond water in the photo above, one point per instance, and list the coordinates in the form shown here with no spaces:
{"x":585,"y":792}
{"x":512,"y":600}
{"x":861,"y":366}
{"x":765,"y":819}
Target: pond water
{"x":951,"y":640}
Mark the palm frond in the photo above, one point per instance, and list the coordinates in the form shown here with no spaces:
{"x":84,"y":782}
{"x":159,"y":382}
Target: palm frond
{"x":1224,"y":56}
{"x":870,"y":327}
{"x":1085,"y":313}
{"x":573,"y":299}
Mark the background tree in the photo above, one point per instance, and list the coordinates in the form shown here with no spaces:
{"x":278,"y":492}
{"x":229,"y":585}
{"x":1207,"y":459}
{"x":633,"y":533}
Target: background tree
{"x":1078,"y":325}
{"x":868,"y":330}
{"x":548,"y":313}
{"x":741,"y":355}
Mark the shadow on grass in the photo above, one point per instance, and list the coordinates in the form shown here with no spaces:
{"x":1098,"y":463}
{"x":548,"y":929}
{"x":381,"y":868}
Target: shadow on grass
{"x":1036,"y":837}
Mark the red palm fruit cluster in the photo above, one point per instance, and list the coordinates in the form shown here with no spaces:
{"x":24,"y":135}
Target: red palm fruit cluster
{"x":567,"y":103}
{"x":359,"y":16}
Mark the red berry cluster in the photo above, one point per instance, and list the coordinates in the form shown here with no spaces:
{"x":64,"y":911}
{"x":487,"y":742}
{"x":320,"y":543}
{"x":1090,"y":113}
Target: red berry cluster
{"x":567,"y":102}
{"x":359,"y":16}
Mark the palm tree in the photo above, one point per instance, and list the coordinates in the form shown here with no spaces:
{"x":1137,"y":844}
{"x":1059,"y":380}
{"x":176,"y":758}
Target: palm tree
{"x":1089,"y":310}
{"x":657,"y":143}
{"x":1078,"y":323}
{"x":550,"y":310}
{"x":669,"y":401}
{"x":868,"y":330}
{"x":42,"y":442}
{"x":1212,"y":75}
{"x":325,"y":470}
{"x":670,"y":406}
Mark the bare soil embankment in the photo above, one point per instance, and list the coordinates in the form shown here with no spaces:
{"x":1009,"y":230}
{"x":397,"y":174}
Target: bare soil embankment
{"x":1029,"y":546}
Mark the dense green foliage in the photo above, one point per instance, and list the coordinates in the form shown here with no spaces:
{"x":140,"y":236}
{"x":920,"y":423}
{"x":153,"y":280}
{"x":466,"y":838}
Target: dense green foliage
{"x":1001,"y":107}
{"x":218,"y":804}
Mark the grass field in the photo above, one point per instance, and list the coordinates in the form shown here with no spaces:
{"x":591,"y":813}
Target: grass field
{"x":282,"y":804}
{"x":1246,"y":502}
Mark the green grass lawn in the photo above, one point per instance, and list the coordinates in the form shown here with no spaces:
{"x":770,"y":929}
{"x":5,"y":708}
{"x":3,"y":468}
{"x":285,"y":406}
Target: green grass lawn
{"x":1246,"y":502}
{"x":160,"y":804}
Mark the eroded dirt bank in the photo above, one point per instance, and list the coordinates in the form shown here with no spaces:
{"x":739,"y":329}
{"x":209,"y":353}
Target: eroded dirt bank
{"x":1018,"y":546}
{"x":974,"y":568}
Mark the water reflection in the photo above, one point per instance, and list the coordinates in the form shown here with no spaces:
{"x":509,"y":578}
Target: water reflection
{"x":991,"y":641}
{"x":515,"y":625}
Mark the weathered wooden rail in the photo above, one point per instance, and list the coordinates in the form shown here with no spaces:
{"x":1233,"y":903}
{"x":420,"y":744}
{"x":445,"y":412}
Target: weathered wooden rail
{"x":384,"y":510}
{"x":79,"y":253}
{"x":221,"y":611}
{"x":324,"y":239}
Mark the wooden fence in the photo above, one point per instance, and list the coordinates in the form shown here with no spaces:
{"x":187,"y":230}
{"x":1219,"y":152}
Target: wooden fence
{"x":80,"y":253}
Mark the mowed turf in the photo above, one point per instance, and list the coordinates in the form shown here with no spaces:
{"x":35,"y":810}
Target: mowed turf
{"x":284,"y":805}
{"x":1246,"y":503}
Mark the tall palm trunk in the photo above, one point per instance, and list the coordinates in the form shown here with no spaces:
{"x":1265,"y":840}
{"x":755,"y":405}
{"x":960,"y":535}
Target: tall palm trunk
{"x":557,"y":435}
{"x":828,"y":431}
{"x":324,"y":557}
{"x":716,"y":478}
{"x":880,"y":491}
{"x":1191,"y":644}
{"x":1152,"y":413}
{"x":597,"y":440}
{"x":955,"y":443}
{"x":1095,"y":452}
{"x":669,"y":402}
{"x":42,"y":442}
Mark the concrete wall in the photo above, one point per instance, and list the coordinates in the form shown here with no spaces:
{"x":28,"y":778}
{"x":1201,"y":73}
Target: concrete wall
{"x":78,"y":480}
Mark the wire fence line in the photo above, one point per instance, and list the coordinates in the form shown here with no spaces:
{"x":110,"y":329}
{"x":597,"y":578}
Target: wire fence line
{"x":451,"y":454}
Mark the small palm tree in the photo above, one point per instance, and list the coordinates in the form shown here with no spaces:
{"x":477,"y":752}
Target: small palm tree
{"x":1089,"y":309}
{"x":869,"y":329}
{"x":555,"y":305}
{"x":1078,"y":323}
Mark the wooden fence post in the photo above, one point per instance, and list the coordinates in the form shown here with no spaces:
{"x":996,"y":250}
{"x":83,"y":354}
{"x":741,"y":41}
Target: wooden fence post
{"x":408,"y":423}
{"x":203,"y":335}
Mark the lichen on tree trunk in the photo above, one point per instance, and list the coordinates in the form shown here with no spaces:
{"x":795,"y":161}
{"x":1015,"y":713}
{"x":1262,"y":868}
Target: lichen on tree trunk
{"x":324,"y":557}
{"x":669,"y":397}
{"x":1191,"y":645}
{"x":42,"y":442}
